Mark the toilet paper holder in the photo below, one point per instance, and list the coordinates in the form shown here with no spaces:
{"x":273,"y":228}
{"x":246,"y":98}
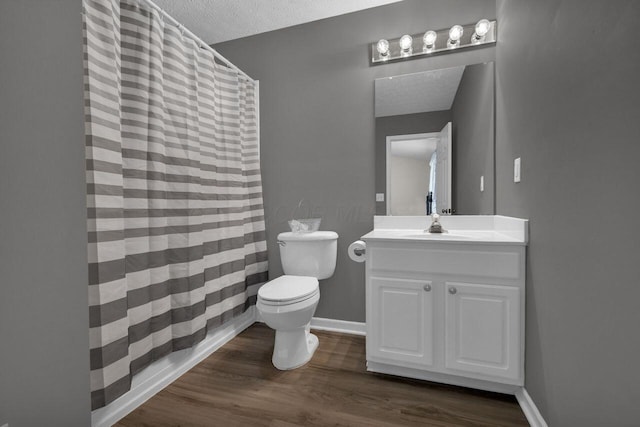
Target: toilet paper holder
{"x":357,"y":251}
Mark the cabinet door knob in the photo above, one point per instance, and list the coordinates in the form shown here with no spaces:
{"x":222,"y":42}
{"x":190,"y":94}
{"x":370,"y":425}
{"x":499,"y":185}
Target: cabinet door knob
{"x":452,"y":290}
{"x":427,"y":287}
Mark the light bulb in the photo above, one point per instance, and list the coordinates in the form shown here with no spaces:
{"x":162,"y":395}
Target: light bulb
{"x":383,"y":47}
{"x":406,"y":42}
{"x":482,"y":27}
{"x":429,"y":38}
{"x":455,"y":33}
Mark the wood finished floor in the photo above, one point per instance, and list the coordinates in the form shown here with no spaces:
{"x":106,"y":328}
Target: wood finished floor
{"x":238,"y":386}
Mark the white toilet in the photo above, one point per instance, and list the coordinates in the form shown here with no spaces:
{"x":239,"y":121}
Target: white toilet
{"x":288,"y":302}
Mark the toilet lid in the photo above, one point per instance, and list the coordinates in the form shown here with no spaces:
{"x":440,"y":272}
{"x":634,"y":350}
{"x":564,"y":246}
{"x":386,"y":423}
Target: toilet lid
{"x":288,"y":289}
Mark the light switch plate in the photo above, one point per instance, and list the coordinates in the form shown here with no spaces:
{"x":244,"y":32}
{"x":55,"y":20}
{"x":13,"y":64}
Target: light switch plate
{"x":481,"y":183}
{"x":379,"y":197}
{"x":516,"y":170}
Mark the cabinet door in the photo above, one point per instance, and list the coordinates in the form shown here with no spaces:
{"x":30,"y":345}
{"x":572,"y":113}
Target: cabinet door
{"x":482,"y":329}
{"x":400,"y":321}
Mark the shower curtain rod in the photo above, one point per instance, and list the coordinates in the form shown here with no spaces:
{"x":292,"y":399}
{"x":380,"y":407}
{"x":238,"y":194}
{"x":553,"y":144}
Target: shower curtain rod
{"x":197,"y":39}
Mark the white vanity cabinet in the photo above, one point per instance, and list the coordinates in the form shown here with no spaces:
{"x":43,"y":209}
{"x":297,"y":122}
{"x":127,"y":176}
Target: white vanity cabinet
{"x":449,"y":311}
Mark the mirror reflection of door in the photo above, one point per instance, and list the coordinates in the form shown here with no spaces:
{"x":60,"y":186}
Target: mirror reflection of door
{"x":419,"y":173}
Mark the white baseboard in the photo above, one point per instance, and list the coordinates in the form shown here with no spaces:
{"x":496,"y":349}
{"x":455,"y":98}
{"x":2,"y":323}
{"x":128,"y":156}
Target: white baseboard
{"x":343,"y":326}
{"x":530,"y":409}
{"x":163,"y":372}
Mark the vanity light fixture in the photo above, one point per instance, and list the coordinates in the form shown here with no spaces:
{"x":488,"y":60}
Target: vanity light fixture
{"x":432,"y":42}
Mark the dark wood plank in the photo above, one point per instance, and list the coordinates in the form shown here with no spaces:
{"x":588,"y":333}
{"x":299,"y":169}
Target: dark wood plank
{"x":238,"y":386}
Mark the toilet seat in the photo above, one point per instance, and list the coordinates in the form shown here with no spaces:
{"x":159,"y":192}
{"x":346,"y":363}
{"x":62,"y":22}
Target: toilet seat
{"x":288,"y":289}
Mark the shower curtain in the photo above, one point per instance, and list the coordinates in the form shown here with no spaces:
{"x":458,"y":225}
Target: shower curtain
{"x":175,"y":215}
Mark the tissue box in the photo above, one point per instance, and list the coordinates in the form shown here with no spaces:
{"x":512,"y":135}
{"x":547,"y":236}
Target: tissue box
{"x":308,"y":225}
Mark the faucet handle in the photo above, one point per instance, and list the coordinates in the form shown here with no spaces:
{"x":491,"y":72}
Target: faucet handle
{"x":435,"y":227}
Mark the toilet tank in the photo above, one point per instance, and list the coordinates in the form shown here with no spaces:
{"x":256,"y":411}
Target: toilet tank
{"x":309,"y":254}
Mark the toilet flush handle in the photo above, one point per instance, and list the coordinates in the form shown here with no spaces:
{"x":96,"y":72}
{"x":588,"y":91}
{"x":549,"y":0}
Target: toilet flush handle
{"x":281,"y":243}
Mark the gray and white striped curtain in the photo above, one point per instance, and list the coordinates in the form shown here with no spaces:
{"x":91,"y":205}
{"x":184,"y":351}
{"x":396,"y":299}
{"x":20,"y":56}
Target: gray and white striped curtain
{"x":175,"y":215}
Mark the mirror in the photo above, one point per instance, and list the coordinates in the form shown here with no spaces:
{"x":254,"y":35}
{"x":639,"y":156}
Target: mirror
{"x":435,"y":141}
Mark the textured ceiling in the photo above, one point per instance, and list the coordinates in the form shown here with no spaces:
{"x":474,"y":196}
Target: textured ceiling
{"x":417,"y":93}
{"x":215,"y":21}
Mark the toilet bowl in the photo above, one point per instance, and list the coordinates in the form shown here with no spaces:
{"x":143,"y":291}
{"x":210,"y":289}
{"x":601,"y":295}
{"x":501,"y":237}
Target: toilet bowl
{"x":287,"y":303}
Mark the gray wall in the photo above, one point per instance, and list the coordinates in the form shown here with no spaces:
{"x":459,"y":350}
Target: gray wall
{"x":44,"y":356}
{"x":567,"y":104}
{"x":404,"y":124}
{"x":473,"y":135}
{"x":317,"y":122}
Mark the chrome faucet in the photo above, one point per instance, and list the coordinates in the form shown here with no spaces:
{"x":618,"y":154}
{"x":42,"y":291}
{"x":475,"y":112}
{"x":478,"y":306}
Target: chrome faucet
{"x":436,"y":227}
